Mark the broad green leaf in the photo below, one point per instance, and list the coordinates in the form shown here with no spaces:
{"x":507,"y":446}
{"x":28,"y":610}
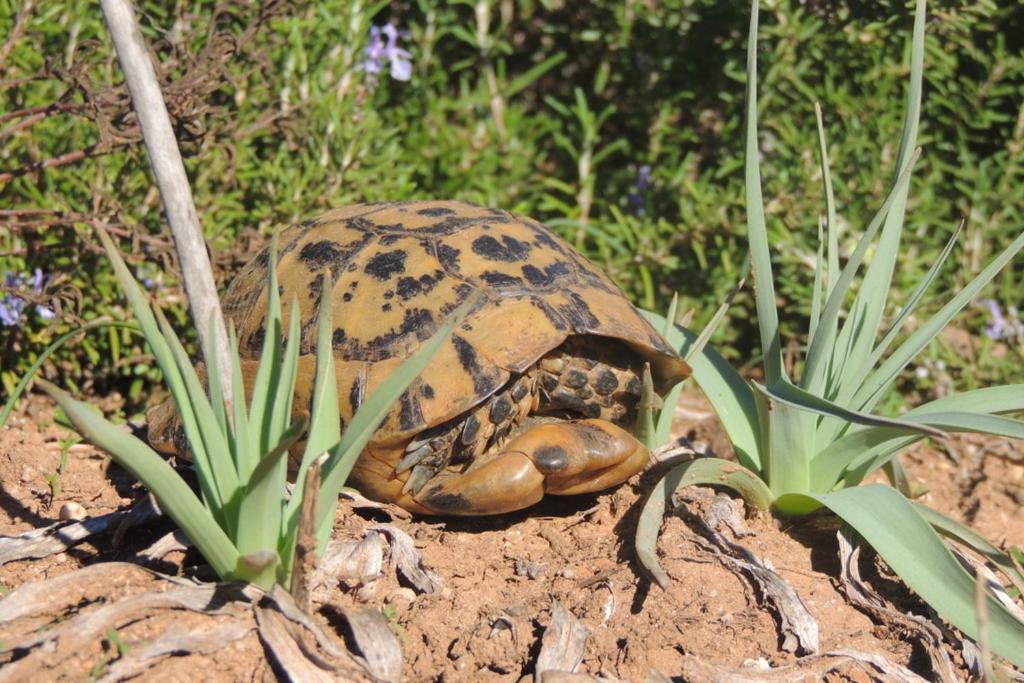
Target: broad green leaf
{"x":1003,"y":399}
{"x":860,"y":452}
{"x":757,"y":230}
{"x":701,"y":471}
{"x":787,"y":393}
{"x":891,"y":525}
{"x":787,"y":445}
{"x":173,"y":494}
{"x":645,"y":431}
{"x":729,"y":394}
{"x":963,"y":534}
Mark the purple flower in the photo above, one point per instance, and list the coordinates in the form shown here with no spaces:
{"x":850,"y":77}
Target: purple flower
{"x":12,"y":307}
{"x":383,"y":49}
{"x":998,"y":327}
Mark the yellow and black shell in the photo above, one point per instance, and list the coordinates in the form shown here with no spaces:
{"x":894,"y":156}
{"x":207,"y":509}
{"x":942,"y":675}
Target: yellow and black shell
{"x":399,"y":268}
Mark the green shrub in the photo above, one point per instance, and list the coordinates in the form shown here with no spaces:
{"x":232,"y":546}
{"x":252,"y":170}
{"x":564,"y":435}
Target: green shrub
{"x":557,"y":110}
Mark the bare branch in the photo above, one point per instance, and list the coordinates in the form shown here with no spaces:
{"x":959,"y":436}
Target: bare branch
{"x":169,"y":170}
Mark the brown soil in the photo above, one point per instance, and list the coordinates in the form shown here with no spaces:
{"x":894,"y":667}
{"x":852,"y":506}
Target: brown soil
{"x":501,"y":576}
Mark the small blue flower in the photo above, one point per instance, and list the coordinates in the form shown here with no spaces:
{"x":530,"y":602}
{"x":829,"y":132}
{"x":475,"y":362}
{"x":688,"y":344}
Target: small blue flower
{"x":643,"y":182}
{"x":383,"y":49}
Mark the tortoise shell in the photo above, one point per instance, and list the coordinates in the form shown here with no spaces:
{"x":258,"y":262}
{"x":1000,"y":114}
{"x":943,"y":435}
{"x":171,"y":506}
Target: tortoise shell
{"x":399,"y":268}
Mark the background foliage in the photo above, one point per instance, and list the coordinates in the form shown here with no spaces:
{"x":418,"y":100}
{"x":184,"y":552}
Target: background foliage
{"x":617,"y":122}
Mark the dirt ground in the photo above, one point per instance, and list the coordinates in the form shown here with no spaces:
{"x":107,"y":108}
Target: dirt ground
{"x":498,"y":581}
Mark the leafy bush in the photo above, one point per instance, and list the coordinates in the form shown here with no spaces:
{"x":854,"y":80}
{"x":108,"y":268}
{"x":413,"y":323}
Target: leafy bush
{"x":616,"y":122}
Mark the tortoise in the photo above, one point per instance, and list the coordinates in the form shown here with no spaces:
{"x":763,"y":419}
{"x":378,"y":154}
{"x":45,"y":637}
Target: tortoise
{"x":534,"y":392}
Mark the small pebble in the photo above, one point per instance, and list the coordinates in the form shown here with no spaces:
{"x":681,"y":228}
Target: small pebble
{"x":403,"y":595}
{"x":368,"y":592}
{"x":72,"y":510}
{"x":27,"y":474}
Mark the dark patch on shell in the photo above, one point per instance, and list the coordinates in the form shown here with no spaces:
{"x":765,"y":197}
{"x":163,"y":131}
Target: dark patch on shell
{"x":436,"y":211}
{"x":339,"y":337}
{"x":427,"y":391}
{"x":553,"y":316}
{"x":482,"y":384}
{"x":386,"y":265}
{"x":508,"y":249}
{"x":545,"y":278}
{"x":449,"y":258}
{"x":409,"y":287}
{"x":498,"y":279}
{"x":409,"y":414}
{"x":579,"y":315}
{"x":319,"y":255}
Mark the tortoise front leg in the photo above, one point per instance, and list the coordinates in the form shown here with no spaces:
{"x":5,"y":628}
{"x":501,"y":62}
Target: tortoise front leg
{"x":563,"y":458}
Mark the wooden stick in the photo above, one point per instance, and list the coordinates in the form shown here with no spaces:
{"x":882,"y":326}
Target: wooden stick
{"x":165,"y":159}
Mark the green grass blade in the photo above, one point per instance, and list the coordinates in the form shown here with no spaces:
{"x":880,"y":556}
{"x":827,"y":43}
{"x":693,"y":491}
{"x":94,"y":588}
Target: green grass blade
{"x":875,"y":385}
{"x":245,"y":439}
{"x":268,"y":376}
{"x":729,"y":394}
{"x":702,"y":471}
{"x":671,"y":332}
{"x":284,"y":390}
{"x":19,"y":388}
{"x":173,"y":494}
{"x":369,"y":416}
{"x":891,"y":525}
{"x":829,"y":430}
{"x":817,"y":286}
{"x":325,"y":423}
{"x":215,"y":390}
{"x":165,"y":358}
{"x":206,"y":440}
{"x":857,"y":337}
{"x":822,"y":353}
{"x":757,"y":230}
{"x":831,"y":223}
{"x":1003,"y":399}
{"x":913,"y":301}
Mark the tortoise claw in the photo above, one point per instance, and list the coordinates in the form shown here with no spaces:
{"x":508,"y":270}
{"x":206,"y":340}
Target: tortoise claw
{"x":564,"y":458}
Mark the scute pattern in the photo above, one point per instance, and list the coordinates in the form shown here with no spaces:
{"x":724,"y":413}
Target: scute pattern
{"x":399,"y":268}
